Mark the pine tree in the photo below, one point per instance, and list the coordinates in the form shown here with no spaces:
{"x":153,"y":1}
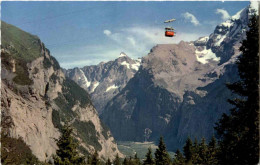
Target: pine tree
{"x":239,"y":131}
{"x":195,"y":151}
{"x":137,"y":160}
{"x":213,"y":150}
{"x":89,"y":160}
{"x":161,"y":155}
{"x":203,"y":152}
{"x":108,"y":162}
{"x":179,"y":158}
{"x":131,"y":161}
{"x":94,"y":159}
{"x":67,"y":148}
{"x":149,"y":158}
{"x":126,"y":161}
{"x":187,"y":149}
{"x":117,"y":160}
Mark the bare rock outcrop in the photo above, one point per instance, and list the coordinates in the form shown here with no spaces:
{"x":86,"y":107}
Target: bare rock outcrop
{"x":36,"y":99}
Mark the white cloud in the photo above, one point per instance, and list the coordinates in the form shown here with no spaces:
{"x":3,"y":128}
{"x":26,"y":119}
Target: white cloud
{"x":77,"y":63}
{"x":190,"y":17}
{"x":88,"y":57}
{"x":153,"y":36}
{"x":132,"y":41}
{"x":135,"y":41}
{"x":224,"y":14}
{"x":107,"y":32}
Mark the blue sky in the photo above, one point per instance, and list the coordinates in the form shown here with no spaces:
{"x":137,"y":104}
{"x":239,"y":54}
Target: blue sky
{"x":86,"y":33}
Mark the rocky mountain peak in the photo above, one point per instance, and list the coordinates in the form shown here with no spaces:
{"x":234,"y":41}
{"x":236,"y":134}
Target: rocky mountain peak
{"x":128,"y":62}
{"x":180,"y":88}
{"x":170,"y":58}
{"x":202,"y":41}
{"x":122,"y":54}
{"x":105,"y":80}
{"x":225,"y":40}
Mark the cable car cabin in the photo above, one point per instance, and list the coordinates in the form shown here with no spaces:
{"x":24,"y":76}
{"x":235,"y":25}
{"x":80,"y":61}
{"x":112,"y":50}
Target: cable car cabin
{"x":169,"y":32}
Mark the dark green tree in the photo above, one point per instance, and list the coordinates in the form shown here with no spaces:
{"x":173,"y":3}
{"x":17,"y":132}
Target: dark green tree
{"x":15,"y":151}
{"x":161,"y":155}
{"x":67,"y":153}
{"x":131,"y":161}
{"x":238,"y":131}
{"x":149,"y":158}
{"x":117,"y":160}
{"x":188,"y":151}
{"x":179,"y":158}
{"x":137,"y":160}
{"x":213,"y":143}
{"x":126,"y":161}
{"x":203,"y":152}
{"x":195,"y":151}
{"x":108,"y":162}
{"x":213,"y":150}
{"x":89,"y":160}
{"x":94,"y":159}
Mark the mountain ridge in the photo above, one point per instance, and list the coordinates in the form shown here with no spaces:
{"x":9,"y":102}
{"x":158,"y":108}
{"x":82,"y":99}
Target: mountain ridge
{"x":180,"y":88}
{"x":105,"y":80}
{"x":37,"y":99}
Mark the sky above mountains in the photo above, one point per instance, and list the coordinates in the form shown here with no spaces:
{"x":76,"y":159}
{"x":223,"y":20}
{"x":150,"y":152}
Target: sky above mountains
{"x":86,"y":33}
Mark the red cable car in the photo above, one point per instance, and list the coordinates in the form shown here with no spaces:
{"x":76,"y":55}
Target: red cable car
{"x":169,"y":31}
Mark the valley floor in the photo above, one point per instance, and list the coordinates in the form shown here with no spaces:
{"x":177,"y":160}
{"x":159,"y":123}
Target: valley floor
{"x":129,"y":148}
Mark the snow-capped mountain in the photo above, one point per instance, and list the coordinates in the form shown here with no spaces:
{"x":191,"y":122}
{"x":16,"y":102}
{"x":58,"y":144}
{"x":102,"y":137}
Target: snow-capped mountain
{"x":105,"y":80}
{"x":180,"y":89}
{"x":225,"y":40}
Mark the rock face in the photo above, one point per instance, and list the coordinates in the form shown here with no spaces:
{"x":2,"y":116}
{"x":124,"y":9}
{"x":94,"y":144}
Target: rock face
{"x":36,"y":99}
{"x":105,"y":80}
{"x":180,"y":89}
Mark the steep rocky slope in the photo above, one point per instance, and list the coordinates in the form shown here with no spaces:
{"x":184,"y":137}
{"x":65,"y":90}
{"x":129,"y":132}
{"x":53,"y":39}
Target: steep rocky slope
{"x":180,"y":90}
{"x":36,"y":99}
{"x":105,"y":80}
